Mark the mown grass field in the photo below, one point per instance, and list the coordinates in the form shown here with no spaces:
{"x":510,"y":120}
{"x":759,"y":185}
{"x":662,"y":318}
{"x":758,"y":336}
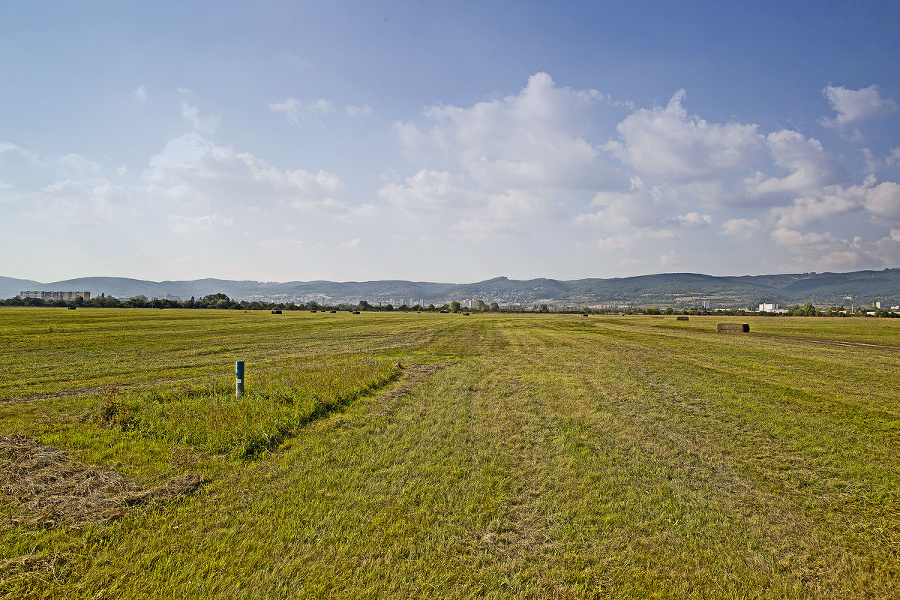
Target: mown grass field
{"x":511,"y":456}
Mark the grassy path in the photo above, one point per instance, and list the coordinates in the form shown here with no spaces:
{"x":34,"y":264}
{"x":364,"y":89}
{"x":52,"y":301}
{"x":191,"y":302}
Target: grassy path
{"x":538,"y":457}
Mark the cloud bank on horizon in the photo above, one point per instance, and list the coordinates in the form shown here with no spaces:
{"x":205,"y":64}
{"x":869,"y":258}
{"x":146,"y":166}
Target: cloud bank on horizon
{"x":368,"y":142}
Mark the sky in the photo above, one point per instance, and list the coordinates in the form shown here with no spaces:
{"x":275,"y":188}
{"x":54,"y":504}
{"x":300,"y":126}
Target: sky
{"x":447,"y":141}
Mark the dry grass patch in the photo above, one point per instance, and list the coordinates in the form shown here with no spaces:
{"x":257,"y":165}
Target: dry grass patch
{"x":52,"y":489}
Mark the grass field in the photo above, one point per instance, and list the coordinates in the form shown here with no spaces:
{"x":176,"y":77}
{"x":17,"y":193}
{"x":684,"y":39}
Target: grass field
{"x":448,"y":456}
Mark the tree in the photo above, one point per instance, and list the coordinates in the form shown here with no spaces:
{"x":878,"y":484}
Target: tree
{"x":495,"y":307}
{"x":543,"y":308}
{"x":482,"y":306}
{"x":363,"y":305}
{"x":454,"y":306}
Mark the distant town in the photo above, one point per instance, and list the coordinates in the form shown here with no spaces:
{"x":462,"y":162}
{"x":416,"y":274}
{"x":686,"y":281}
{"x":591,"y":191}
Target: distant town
{"x":222,"y":301}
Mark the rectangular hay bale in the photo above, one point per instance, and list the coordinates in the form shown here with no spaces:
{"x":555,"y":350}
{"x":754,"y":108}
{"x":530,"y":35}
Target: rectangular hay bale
{"x":733,"y":328}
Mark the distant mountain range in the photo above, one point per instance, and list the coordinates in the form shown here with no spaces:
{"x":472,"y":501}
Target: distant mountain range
{"x":679,"y":290}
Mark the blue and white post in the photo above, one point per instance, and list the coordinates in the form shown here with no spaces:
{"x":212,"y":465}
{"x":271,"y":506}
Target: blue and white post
{"x":238,"y":379}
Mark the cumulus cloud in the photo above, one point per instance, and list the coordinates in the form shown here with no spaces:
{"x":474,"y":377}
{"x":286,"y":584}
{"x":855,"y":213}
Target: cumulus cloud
{"x":535,"y":139}
{"x":881,"y":201}
{"x":827,"y":251}
{"x":672,"y":259}
{"x":742,"y":228}
{"x":509,"y":213}
{"x":854,"y":106}
{"x":359,"y":110}
{"x":68,"y":203}
{"x":694,"y":220}
{"x":193,"y":169}
{"x":199,"y":224}
{"x":204,"y":124}
{"x":893,"y":160}
{"x":640,"y":206}
{"x":140,"y":94}
{"x":354,"y":243}
{"x":296,"y":111}
{"x":79,"y":164}
{"x":285,"y":244}
{"x":809,"y":165}
{"x":669,"y":144}
{"x":428,"y":192}
{"x":15,"y":156}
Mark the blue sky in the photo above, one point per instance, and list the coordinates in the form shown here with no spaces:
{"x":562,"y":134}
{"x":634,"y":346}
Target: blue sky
{"x":445,"y":141}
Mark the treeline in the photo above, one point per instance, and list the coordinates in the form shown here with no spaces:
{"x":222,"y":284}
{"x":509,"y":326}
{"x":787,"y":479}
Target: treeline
{"x":217,"y":301}
{"x":223,"y":302}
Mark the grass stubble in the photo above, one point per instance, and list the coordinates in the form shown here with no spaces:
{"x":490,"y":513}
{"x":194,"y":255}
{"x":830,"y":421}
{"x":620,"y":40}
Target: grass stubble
{"x":511,"y":456}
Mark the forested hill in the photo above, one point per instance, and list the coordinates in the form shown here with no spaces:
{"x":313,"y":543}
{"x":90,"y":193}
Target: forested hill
{"x":667,"y":289}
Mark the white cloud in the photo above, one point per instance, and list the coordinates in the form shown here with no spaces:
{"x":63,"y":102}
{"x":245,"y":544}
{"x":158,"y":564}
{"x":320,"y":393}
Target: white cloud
{"x":669,"y":144}
{"x":194,"y":170}
{"x":509,"y":214}
{"x":694,"y":220}
{"x":632,"y":263}
{"x":428,"y":192}
{"x":359,"y":110}
{"x":69,"y":203}
{"x":672,"y":259}
{"x":810,"y":166}
{"x":205,"y":124}
{"x":284,"y":244}
{"x":854,"y":106}
{"x":827,"y":251}
{"x":881,"y":201}
{"x":806,"y":242}
{"x":630,"y":240}
{"x":640,"y":206}
{"x":15,"y":156}
{"x":893,"y":160}
{"x":296,"y":111}
{"x":535,"y":139}
{"x":199,"y":224}
{"x":79,"y":164}
{"x":617,"y":242}
{"x":140,"y":94}
{"x":354,"y":243}
{"x":742,"y":228}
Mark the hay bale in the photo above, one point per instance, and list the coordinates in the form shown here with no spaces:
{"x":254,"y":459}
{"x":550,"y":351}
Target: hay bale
{"x":682,"y":318}
{"x":733,"y":328}
{"x":276,"y":312}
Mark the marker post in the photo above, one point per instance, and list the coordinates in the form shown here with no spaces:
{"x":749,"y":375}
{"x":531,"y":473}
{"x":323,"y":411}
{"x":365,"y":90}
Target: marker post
{"x":238,"y":379}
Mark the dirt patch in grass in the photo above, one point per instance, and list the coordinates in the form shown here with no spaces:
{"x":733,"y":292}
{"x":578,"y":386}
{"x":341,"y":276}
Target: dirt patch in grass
{"x":51,"y":489}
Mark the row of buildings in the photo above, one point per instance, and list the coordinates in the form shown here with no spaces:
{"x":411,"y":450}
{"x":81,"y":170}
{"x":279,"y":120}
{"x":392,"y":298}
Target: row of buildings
{"x":56,"y":295}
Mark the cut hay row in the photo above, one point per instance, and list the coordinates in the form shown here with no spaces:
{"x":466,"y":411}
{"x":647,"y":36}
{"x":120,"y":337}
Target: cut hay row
{"x":733,"y":328}
{"x":53,"y":489}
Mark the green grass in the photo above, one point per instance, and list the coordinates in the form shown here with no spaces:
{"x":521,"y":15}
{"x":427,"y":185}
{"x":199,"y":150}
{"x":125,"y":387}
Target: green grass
{"x":545,"y":456}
